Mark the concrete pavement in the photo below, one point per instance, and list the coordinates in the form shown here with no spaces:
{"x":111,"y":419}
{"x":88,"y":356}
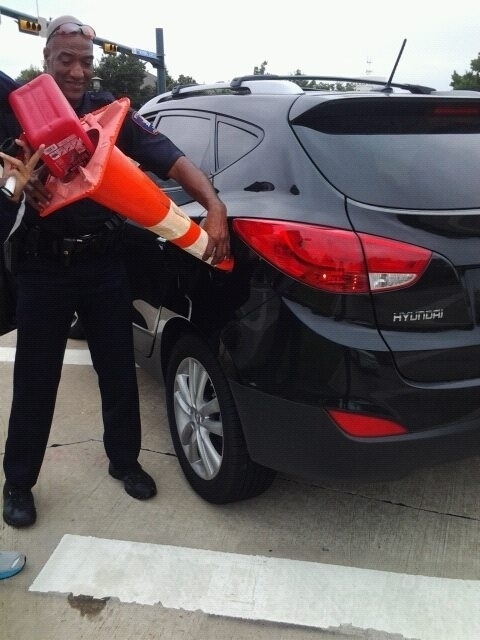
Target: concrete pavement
{"x":426,"y":524}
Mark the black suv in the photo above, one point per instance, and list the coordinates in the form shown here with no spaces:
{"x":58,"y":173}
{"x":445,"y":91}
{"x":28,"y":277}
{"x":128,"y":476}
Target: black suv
{"x":347,"y":337}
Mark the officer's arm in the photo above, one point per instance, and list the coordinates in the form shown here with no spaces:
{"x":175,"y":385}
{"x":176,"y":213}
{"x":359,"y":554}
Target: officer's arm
{"x":196,"y":184}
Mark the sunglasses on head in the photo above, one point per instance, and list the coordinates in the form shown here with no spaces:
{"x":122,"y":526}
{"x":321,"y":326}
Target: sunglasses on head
{"x":70,"y":28}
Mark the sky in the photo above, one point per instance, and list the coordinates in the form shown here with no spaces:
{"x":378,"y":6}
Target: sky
{"x":216,"y":40}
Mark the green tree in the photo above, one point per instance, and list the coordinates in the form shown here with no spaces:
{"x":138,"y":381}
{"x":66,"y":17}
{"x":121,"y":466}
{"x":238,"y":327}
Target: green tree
{"x":470,"y":79}
{"x":147,"y":92}
{"x":183,"y":80}
{"x":261,"y":70}
{"x":28,"y":74}
{"x":169,"y":81}
{"x":308,"y":84}
{"x":122,"y":75}
{"x":323,"y":86}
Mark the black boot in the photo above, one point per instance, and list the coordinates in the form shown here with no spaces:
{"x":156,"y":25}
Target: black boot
{"x":18,"y":506}
{"x":136,"y":481}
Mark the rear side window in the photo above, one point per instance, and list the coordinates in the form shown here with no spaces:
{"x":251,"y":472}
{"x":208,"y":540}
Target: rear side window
{"x":401,"y":152}
{"x":233,"y":142}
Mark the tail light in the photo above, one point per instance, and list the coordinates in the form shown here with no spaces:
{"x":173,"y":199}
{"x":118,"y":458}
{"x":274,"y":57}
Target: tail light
{"x":365,"y":426}
{"x":334,"y":260}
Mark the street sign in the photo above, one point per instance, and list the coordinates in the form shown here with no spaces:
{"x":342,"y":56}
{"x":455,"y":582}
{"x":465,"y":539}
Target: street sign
{"x":145,"y":54}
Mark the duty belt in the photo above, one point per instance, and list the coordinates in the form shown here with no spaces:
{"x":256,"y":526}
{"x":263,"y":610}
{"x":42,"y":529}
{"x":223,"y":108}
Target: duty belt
{"x":64,"y":248}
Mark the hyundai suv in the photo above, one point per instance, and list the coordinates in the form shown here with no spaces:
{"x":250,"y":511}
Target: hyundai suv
{"x":346,"y":339}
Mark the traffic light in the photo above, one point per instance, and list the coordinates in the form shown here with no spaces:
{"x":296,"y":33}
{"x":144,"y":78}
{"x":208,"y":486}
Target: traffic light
{"x":29,"y":26}
{"x":108,"y":47}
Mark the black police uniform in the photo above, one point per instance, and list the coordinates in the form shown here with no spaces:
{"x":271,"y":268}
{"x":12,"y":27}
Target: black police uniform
{"x":9,"y":130}
{"x":70,"y":261}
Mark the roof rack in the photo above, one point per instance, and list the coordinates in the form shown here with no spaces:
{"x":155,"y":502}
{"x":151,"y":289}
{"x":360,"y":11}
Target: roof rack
{"x":287,"y":84}
{"x":413,"y":88}
{"x":181,"y":89}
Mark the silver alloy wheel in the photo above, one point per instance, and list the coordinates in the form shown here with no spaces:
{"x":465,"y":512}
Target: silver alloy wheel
{"x":198,"y":418}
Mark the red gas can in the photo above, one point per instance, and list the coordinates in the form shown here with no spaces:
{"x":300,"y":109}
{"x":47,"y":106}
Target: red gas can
{"x":46,"y":117}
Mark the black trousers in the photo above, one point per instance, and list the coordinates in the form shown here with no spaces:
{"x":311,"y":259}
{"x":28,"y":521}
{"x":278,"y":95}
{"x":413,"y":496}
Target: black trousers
{"x":96,"y":286}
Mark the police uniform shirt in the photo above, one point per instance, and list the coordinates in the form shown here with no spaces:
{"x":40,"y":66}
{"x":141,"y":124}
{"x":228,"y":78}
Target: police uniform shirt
{"x":137,"y":139}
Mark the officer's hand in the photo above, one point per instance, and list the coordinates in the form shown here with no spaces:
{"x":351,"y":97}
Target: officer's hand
{"x":36,"y":193}
{"x":21,"y":169}
{"x":215,"y":224}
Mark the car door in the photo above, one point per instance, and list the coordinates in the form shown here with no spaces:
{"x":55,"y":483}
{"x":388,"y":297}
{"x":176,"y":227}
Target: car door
{"x":153,"y":263}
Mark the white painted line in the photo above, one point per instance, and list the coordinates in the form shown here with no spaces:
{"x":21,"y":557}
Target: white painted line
{"x":259,"y":588}
{"x":7,"y":354}
{"x":72,"y":356}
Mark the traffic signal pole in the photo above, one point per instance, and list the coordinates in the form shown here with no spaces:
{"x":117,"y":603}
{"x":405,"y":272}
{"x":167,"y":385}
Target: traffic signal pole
{"x":26,"y":23}
{"x":161,"y":74}
{"x":38,"y":26}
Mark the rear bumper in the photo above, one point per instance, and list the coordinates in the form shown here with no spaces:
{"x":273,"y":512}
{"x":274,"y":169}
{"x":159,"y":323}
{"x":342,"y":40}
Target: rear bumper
{"x":302,"y":440}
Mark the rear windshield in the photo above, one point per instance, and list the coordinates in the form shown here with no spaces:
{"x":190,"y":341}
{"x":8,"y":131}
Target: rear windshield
{"x":405,"y":152}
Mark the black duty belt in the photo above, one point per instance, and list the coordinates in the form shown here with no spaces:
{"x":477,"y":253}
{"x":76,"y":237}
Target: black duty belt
{"x":64,"y":248}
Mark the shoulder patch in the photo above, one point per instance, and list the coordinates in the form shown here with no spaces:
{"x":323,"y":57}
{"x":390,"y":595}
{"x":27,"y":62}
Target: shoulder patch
{"x":143,"y":124}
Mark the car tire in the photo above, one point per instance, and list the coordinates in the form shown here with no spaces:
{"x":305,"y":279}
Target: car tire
{"x":205,"y":427}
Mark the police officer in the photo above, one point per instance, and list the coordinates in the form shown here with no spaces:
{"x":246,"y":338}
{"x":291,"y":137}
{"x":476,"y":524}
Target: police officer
{"x":92,"y":281}
{"x":12,"y":562}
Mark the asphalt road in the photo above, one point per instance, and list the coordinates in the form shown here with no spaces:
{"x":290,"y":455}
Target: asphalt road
{"x":334,"y":559}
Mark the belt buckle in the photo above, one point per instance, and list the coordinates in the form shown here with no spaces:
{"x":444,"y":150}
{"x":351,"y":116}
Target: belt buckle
{"x":67,"y":249}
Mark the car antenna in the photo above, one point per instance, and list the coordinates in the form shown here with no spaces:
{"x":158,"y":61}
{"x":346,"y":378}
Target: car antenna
{"x":388,"y":88}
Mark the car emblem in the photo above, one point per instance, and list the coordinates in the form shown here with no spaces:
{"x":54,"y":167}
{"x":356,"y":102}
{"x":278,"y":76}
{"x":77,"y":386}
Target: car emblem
{"x":416,"y":316}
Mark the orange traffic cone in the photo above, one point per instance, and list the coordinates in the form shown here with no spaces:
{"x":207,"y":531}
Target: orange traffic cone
{"x":112,"y":179}
{"x":102,"y":128}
